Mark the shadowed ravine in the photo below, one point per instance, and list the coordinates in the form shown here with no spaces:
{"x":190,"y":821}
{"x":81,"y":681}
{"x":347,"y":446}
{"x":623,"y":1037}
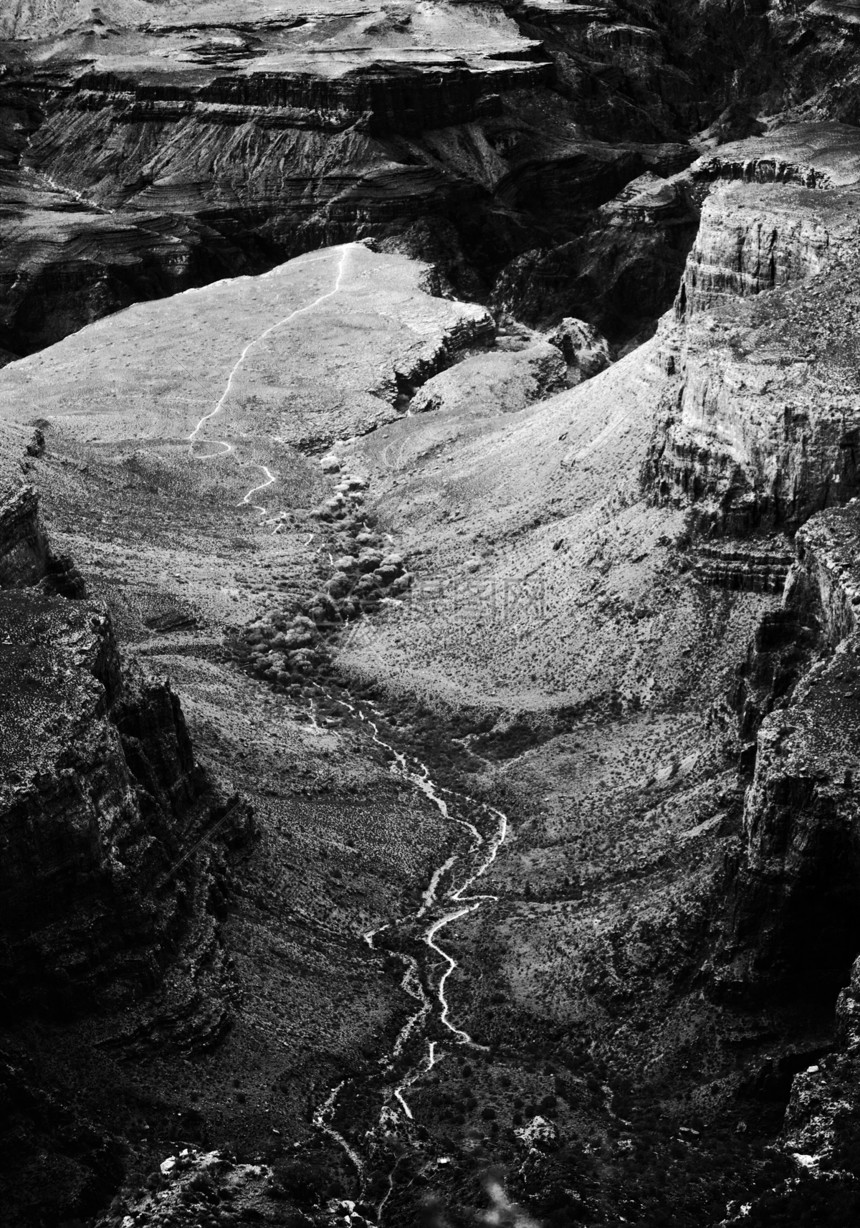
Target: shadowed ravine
{"x":380,"y":1109}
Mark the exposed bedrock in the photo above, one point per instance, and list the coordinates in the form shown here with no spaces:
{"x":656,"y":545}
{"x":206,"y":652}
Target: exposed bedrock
{"x":99,"y":802}
{"x":182,"y":151}
{"x":810,"y":154}
{"x":26,"y":557}
{"x":620,"y":274}
{"x":23,"y":544}
{"x":65,"y":263}
{"x":750,"y":242}
{"x":822,"y":1123}
{"x":497,"y":382}
{"x":637,"y":70}
{"x":819,"y":68}
{"x":102,"y":804}
{"x":793,"y":921}
{"x":761,"y":416}
{"x":151,"y":149}
{"x":794,"y":904}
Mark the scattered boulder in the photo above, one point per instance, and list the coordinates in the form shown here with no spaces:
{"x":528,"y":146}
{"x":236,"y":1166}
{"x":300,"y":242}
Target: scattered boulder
{"x":584,"y":349}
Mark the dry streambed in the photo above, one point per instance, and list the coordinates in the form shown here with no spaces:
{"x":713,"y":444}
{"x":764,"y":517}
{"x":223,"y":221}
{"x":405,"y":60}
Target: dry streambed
{"x":369,"y":1117}
{"x":416,"y":942}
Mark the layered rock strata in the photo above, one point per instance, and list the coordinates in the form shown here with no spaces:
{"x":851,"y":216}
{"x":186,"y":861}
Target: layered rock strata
{"x":759,"y":412}
{"x":102,"y":804}
{"x":794,"y":911}
{"x":148,"y":149}
{"x":197,"y":143}
{"x":622,"y":272}
{"x":794,"y":907}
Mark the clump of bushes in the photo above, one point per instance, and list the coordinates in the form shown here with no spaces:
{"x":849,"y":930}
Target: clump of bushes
{"x":286,"y":651}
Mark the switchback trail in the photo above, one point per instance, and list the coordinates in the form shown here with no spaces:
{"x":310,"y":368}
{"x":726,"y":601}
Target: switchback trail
{"x":224,"y":446}
{"x":415,"y":940}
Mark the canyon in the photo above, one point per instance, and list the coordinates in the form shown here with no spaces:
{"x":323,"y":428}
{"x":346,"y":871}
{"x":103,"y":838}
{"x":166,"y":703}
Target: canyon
{"x":428,"y":546}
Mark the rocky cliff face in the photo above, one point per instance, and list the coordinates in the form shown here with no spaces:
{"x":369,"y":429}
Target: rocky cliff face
{"x":101,"y":802}
{"x":149,"y":148}
{"x":26,"y":557}
{"x":794,"y":905}
{"x":758,"y":427}
{"x":623,"y":271}
{"x":760,"y":435}
{"x":823,"y":1118}
{"x":191,"y":146}
{"x":794,"y":911}
{"x":23,"y":544}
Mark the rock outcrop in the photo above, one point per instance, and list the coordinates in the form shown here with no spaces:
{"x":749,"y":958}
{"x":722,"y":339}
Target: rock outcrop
{"x":621,"y":273}
{"x":65,"y":262}
{"x":584,"y":349}
{"x":754,"y":566}
{"x":794,"y":910}
{"x":102,"y":804}
{"x":25,"y":554}
{"x":23,"y":543}
{"x":760,"y":412}
{"x":809,"y":155}
{"x":195,"y":1185}
{"x":151,"y":149}
{"x":497,"y":382}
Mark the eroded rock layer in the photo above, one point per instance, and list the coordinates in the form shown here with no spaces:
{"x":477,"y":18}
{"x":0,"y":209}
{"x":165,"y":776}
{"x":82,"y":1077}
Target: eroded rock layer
{"x":760,"y":408}
{"x":150,"y":147}
{"x":101,"y":802}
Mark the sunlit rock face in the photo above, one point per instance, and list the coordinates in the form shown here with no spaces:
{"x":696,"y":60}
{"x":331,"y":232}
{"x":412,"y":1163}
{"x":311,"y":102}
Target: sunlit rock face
{"x":760,"y":421}
{"x":176,"y":144}
{"x":149,"y":147}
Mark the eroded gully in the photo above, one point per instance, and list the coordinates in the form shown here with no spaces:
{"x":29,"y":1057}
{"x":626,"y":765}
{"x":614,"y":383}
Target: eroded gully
{"x":416,"y":941}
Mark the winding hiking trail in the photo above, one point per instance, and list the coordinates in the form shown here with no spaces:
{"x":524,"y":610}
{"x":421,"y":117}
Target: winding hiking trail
{"x":224,"y":446}
{"x":414,"y":940}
